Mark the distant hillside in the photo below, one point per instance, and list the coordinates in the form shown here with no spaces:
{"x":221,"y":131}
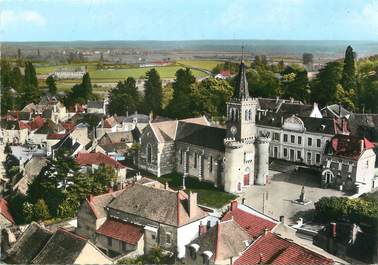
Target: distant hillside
{"x":268,"y":47}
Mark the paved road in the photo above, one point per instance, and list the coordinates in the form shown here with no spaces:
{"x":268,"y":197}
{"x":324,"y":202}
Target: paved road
{"x":282,"y":190}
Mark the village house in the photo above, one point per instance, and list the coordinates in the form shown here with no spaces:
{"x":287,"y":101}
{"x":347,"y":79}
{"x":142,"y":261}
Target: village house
{"x":15,"y":132}
{"x":49,"y":127}
{"x":6,"y":218}
{"x":136,"y":120}
{"x":349,"y":164}
{"x":91,"y":161}
{"x":232,"y":158}
{"x":37,"y":245}
{"x":99,"y":106}
{"x":170,"y":218}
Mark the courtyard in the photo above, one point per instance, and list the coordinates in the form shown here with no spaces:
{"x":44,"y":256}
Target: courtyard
{"x":275,"y":198}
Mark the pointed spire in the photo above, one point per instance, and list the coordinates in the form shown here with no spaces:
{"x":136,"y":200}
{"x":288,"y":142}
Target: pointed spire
{"x":241,"y":90}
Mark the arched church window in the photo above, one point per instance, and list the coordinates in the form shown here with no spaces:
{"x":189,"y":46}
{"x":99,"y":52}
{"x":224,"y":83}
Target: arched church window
{"x":236,"y":115}
{"x":149,"y":153}
{"x":250,"y":115}
{"x":246,"y":115}
{"x":232,"y":114}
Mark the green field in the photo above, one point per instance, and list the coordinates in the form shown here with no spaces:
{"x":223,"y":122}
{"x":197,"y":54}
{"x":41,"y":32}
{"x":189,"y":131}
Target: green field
{"x":203,"y":64}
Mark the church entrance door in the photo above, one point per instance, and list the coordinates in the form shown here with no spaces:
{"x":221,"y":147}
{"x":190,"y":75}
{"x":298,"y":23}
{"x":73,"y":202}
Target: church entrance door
{"x":246,"y":179}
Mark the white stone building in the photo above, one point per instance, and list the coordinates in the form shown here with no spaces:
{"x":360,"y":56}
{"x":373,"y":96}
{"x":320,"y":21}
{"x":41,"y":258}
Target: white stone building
{"x":349,"y":164}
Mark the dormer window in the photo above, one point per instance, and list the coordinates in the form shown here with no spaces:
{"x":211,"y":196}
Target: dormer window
{"x":206,"y":255}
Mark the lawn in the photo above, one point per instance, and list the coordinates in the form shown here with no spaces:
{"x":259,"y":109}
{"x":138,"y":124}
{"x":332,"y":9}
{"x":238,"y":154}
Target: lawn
{"x":114,"y":75}
{"x":208,"y":195}
{"x":203,"y":64}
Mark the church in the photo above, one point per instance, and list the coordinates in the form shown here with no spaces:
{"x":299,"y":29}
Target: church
{"x":231,"y":157}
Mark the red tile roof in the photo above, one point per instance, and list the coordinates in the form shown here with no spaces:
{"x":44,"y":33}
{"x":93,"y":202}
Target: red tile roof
{"x":5,"y":211}
{"x":68,"y":125}
{"x":97,"y":159}
{"x":272,"y":249}
{"x":55,"y":136}
{"x":350,"y":146}
{"x":122,"y":231}
{"x":23,"y":125}
{"x":253,"y":224}
{"x":37,"y":123}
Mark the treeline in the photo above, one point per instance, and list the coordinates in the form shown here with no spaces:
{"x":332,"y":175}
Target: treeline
{"x":19,"y":86}
{"x":181,"y":99}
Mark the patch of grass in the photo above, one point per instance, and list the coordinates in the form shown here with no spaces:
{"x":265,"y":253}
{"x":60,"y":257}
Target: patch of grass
{"x":208,"y":195}
{"x":203,"y":64}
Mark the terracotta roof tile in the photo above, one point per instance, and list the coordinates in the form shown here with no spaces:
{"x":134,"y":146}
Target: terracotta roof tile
{"x":122,"y":231}
{"x":272,"y":249}
{"x":97,"y":159}
{"x":4,"y":210}
{"x":253,"y":224}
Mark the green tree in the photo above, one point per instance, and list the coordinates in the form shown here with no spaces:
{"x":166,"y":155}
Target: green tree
{"x":102,"y":178}
{"x":81,"y":93}
{"x":153,"y":92}
{"x":51,"y":84}
{"x":125,"y":98}
{"x":181,"y":104}
{"x":30,"y":91}
{"x":263,"y":83}
{"x":17,"y":81}
{"x":348,"y":80}
{"x":324,"y":86}
{"x":40,"y":211}
{"x":296,"y":85}
{"x":209,"y":97}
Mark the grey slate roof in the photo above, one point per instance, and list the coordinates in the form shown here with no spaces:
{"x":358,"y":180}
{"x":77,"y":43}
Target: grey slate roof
{"x":315,"y":125}
{"x":334,"y":110}
{"x":95,"y":104}
{"x":159,"y":205}
{"x":295,"y":109}
{"x":62,"y":248}
{"x":28,"y":245}
{"x":201,"y":135}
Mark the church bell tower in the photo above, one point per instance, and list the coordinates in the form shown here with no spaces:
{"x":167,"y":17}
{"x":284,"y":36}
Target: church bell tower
{"x":241,"y":109}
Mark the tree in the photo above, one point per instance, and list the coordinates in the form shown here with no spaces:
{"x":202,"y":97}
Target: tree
{"x":153,"y":92}
{"x":51,"y":84}
{"x":102,"y":178}
{"x":348,"y":80}
{"x":125,"y":98}
{"x":40,"y":211}
{"x":181,"y":104}
{"x":323,"y":87}
{"x":30,"y":91}
{"x":263,"y":83}
{"x":17,"y":80}
{"x":296,"y":85}
{"x":209,"y":97}
{"x":81,"y":93}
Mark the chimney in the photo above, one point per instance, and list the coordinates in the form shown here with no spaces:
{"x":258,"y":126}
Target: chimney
{"x":333,"y":229}
{"x":234,"y":205}
{"x":127,"y":113}
{"x":261,"y":259}
{"x":151,"y":116}
{"x":281,"y":120}
{"x":243,"y":200}
{"x":266,"y":230}
{"x":192,"y":200}
{"x":282,"y":219}
{"x":136,"y":112}
{"x":259,"y":115}
{"x":202,"y":229}
{"x":90,"y":198}
{"x":166,"y":186}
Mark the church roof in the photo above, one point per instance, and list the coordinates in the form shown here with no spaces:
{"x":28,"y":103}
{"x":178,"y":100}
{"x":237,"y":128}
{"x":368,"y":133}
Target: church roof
{"x":241,"y":90}
{"x":201,"y":135}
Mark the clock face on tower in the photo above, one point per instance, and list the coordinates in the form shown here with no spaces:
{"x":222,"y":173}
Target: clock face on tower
{"x":233,"y":130}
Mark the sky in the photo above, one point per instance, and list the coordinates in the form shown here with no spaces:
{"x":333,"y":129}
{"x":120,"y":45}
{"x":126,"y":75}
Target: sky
{"x":67,"y":20}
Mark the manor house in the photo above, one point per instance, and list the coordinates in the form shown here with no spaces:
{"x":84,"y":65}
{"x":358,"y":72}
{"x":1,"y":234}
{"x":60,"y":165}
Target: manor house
{"x":231,"y":158}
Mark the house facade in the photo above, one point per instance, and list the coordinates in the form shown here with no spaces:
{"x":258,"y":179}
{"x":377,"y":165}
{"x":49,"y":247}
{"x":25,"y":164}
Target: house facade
{"x":349,"y":164}
{"x":298,"y":138}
